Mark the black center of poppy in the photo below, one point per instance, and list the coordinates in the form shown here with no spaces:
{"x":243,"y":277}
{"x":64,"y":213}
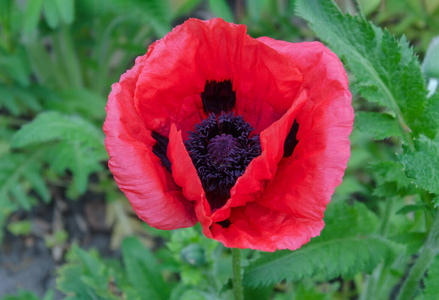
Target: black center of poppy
{"x":221,"y":148}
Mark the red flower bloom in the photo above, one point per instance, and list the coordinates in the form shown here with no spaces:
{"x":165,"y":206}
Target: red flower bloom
{"x":247,"y":136}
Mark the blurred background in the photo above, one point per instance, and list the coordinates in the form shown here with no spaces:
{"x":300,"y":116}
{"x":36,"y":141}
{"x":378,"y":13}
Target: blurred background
{"x":58,"y":200}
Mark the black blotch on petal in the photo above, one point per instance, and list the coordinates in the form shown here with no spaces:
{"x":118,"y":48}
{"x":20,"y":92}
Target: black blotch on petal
{"x":291,"y":140}
{"x":160,"y":149}
{"x":218,"y":97}
{"x":224,"y":224}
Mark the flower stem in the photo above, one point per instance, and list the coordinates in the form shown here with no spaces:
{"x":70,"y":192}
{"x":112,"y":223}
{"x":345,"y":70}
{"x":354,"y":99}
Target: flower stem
{"x":373,"y":280}
{"x":428,"y":253}
{"x":237,"y":277}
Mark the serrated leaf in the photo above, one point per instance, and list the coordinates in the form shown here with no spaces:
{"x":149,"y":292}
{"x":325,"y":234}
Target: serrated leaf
{"x":390,"y":171}
{"x":346,"y":246}
{"x":79,"y":149}
{"x":142,"y":270}
{"x":422,"y":164}
{"x":37,"y":182}
{"x":385,"y":68}
{"x":431,"y":282}
{"x":50,"y":126}
{"x":431,"y":117}
{"x":80,"y":160}
{"x":86,"y":276}
{"x":380,"y":126}
{"x":14,"y":170}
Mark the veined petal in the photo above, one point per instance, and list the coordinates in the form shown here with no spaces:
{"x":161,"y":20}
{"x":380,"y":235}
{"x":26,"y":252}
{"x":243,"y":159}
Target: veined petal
{"x":250,"y":186}
{"x":172,"y":79}
{"x":290,"y":210}
{"x":154,"y":196}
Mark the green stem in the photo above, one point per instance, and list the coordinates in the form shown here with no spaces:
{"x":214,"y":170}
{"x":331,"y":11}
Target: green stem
{"x":428,"y":253}
{"x":237,"y":277}
{"x":373,"y":280}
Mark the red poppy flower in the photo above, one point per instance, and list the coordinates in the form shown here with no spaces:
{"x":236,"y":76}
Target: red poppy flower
{"x":247,"y":136}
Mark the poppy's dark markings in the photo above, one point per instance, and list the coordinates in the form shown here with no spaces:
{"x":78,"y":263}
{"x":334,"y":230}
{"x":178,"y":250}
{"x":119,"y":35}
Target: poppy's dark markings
{"x":221,"y":148}
{"x":160,"y":149}
{"x":218,"y":97}
{"x":291,"y":140}
{"x":224,"y":224}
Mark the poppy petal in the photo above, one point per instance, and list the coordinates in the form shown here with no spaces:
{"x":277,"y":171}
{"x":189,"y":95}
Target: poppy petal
{"x":306,"y":180}
{"x":262,"y":169}
{"x":186,"y":176}
{"x":172,"y":79}
{"x":290,"y":211}
{"x":154,"y":196}
{"x":257,"y":227}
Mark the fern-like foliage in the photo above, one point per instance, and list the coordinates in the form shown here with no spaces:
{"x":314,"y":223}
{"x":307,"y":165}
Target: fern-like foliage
{"x":72,"y":143}
{"x":87,"y":276}
{"x":386,"y":70}
{"x":347,"y":245}
{"x":18,"y":173}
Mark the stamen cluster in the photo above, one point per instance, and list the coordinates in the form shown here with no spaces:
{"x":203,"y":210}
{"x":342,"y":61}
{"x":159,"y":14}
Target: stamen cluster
{"x":221,"y":148}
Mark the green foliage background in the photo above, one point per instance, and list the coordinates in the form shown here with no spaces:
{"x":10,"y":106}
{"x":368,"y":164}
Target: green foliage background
{"x":58,"y":59}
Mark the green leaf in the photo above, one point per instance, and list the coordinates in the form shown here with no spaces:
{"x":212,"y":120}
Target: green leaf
{"x":13,"y":65}
{"x":390,"y":171}
{"x":431,"y":116}
{"x":154,"y":12}
{"x":32,"y":15}
{"x":7,"y":101}
{"x":221,"y":9}
{"x":20,"y":227}
{"x":5,"y":13}
{"x":422,"y":164}
{"x":348,"y":234}
{"x":52,"y":126}
{"x":51,"y":13}
{"x":380,"y":126}
{"x":79,"y":101}
{"x":79,"y":147}
{"x":66,"y":9}
{"x":22,"y":295}
{"x":368,"y":6}
{"x":385,"y":68}
{"x":431,"y":281}
{"x":182,"y":7}
{"x":142,"y":270}
{"x":86,"y":276}
{"x":430,"y":65}
{"x":414,"y":207}
{"x":15,"y":168}
{"x":80,"y":160}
